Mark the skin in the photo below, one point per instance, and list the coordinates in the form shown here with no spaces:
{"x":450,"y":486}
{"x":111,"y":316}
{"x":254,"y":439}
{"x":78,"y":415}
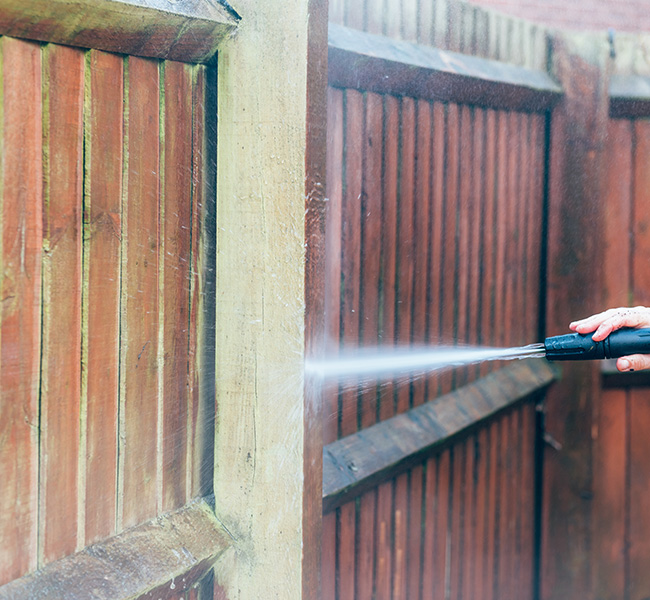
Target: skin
{"x":615,"y":318}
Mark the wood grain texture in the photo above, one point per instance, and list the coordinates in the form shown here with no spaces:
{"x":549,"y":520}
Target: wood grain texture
{"x":141,"y":562}
{"x":62,"y":281}
{"x":575,"y":281}
{"x":176,"y":218}
{"x":358,"y":461}
{"x":22,"y":236}
{"x":260,"y":290}
{"x":188,"y":30}
{"x":103,"y":232}
{"x":140,"y":299}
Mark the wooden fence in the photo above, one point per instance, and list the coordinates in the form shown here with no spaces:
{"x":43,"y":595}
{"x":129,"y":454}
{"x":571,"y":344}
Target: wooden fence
{"x":150,"y":407}
{"x":108,"y":445}
{"x":436,"y":170}
{"x":442,"y":171}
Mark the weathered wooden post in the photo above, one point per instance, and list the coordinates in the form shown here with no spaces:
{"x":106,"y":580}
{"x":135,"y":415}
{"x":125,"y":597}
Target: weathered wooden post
{"x":575,"y":288}
{"x":267,"y":450}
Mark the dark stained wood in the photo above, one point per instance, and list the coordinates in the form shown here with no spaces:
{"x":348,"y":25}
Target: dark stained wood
{"x":22,"y":232}
{"x":143,"y":558}
{"x":638,"y":541}
{"x":421,"y":229}
{"x":385,"y":521}
{"x":140,"y":298}
{"x":611,"y":458}
{"x":187,"y":30}
{"x":450,"y":239}
{"x":487,"y":218}
{"x":374,"y":63}
{"x":574,"y":284}
{"x":332,"y":313}
{"x":62,"y":269}
{"x":358,"y":461}
{"x":315,"y":290}
{"x":176,"y":226}
{"x":371,"y":223}
{"x":434,"y":303}
{"x":103,"y":230}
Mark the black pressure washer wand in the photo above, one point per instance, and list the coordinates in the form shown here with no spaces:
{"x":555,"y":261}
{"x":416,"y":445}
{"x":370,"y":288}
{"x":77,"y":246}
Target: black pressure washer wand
{"x":578,"y":346}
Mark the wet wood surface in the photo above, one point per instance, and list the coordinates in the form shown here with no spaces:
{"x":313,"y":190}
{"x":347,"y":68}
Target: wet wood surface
{"x":361,"y":460}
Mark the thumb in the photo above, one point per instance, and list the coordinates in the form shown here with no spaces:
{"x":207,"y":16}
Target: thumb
{"x":635,"y":362}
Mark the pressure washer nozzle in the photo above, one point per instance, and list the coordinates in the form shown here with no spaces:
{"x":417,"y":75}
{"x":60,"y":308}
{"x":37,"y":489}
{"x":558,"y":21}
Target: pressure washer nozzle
{"x":577,"y":346}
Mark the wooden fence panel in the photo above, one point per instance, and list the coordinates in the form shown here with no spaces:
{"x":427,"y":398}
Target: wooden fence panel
{"x":380,"y":540}
{"x":103,"y":206}
{"x":22,"y":238}
{"x":460,"y":197}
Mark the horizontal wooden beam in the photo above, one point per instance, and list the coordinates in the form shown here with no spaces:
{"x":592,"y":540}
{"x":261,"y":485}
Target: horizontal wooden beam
{"x":362,"y":460}
{"x":183,"y":30}
{"x":162,"y":557}
{"x":629,"y":96}
{"x":375,"y":63}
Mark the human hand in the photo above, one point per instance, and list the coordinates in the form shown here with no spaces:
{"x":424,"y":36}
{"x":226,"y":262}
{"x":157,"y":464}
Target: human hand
{"x":610,"y":320}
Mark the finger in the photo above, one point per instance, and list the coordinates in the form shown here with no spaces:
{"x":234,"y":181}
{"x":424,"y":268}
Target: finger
{"x":635,"y":362}
{"x":591,"y":323}
{"x":631,"y":317}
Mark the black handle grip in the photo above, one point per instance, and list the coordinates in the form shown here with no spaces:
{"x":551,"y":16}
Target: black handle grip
{"x":576,"y":346}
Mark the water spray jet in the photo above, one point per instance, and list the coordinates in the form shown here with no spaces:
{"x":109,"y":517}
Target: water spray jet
{"x":390,"y":362}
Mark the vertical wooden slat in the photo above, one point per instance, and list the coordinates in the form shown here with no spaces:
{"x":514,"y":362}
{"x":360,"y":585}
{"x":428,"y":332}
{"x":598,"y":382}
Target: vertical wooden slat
{"x":103,"y":232}
{"x":429,"y":527}
{"x":351,"y":258}
{"x":436,"y":271}
{"x":176,"y":231}
{"x":22,"y":232}
{"x":479,"y":587}
{"x":422,"y":233}
{"x":638,"y":578}
{"x":441,"y":552}
{"x":332,"y":311}
{"x":476,"y":230}
{"x":492,"y":512}
{"x":450,"y":242}
{"x":639,"y":411}
{"x":610,"y":450}
{"x":405,"y":281}
{"x":505,"y":507}
{"x":457,"y":485}
{"x":385,"y":529}
{"x":501,"y":231}
{"x":371,"y":222}
{"x":139,"y":355}
{"x":527,"y":503}
{"x":62,"y":269}
{"x":465,"y":215}
{"x":511,"y":257}
{"x":415,"y":526}
{"x":488,"y":212}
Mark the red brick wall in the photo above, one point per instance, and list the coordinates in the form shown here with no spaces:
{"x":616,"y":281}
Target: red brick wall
{"x":622,"y":15}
